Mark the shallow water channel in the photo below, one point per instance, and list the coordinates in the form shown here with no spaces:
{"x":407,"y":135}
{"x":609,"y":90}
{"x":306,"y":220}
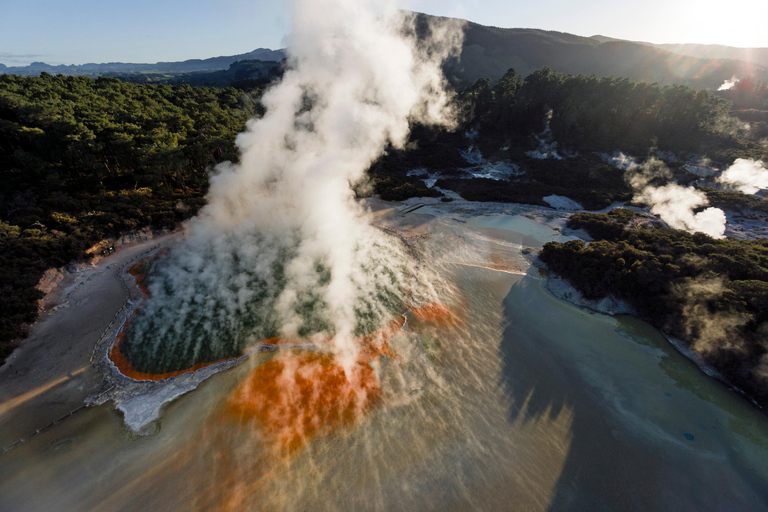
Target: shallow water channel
{"x":524,"y":402}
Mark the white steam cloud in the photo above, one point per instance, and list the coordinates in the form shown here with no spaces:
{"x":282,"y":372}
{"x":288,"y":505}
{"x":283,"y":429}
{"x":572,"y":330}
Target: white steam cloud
{"x":728,"y":84}
{"x":748,"y":176}
{"x":282,"y":247}
{"x":674,"y":203}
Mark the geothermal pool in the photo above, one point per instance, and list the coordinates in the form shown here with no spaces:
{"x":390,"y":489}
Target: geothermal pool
{"x":508,"y":399}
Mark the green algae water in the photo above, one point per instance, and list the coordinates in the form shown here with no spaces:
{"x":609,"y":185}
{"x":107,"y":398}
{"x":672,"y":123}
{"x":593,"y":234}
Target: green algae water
{"x":202,"y":307}
{"x":525,"y":403}
{"x":650,"y":431}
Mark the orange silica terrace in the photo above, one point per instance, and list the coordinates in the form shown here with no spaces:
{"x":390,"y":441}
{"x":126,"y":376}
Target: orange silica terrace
{"x":300,"y":396}
{"x":303,"y":395}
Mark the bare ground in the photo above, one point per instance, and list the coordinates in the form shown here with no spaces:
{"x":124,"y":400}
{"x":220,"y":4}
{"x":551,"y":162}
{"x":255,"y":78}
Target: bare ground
{"x":50,"y":373}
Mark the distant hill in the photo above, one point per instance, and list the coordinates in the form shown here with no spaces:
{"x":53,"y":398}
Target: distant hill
{"x":757,"y":56}
{"x":490,"y":51}
{"x":112,"y":68}
{"x":242,"y":74}
{"x":605,"y":39}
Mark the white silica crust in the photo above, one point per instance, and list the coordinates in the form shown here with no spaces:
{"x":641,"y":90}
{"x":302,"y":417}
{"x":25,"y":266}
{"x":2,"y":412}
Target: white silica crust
{"x":562,"y":203}
{"x":564,"y":290}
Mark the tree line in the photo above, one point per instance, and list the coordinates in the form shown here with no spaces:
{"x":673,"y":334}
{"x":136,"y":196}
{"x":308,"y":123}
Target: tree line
{"x":590,"y":113}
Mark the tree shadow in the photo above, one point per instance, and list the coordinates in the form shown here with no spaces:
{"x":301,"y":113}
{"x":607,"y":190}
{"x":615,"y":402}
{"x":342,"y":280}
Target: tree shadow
{"x":533,"y":376}
{"x":543,"y":381}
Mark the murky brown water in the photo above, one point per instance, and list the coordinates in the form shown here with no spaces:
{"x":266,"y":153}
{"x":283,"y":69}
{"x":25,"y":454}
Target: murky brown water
{"x":514,"y":401}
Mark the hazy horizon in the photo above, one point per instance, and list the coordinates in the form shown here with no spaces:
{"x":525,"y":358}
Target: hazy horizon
{"x":68,"y":32}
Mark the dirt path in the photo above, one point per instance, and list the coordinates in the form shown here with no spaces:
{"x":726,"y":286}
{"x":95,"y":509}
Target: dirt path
{"x":50,"y":373}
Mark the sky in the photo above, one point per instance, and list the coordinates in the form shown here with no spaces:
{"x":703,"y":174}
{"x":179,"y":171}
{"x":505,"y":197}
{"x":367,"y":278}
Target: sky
{"x":80,"y":31}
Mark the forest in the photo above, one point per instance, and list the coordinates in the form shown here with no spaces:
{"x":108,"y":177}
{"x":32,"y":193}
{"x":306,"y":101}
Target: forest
{"x":586,"y":116}
{"x":587,"y":113}
{"x":711,"y":294}
{"x":83,"y":160}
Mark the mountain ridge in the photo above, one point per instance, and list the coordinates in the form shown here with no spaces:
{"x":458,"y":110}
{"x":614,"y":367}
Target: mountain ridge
{"x":718,"y":51}
{"x":490,"y":51}
{"x":185,"y":66}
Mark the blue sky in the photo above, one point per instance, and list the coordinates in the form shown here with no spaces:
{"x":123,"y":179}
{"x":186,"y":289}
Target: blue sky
{"x":79,"y":31}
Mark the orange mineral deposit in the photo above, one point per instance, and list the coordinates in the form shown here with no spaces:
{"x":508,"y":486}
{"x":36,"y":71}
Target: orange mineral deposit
{"x":138,"y":271}
{"x":434,"y":313}
{"x":126,"y":368}
{"x":299,"y":396}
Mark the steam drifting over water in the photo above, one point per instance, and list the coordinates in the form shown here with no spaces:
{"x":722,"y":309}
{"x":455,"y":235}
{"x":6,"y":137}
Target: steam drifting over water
{"x":282,"y":248}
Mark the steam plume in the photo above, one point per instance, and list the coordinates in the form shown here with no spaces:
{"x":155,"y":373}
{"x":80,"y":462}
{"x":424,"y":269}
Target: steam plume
{"x":710,"y":331}
{"x":674,"y":203}
{"x":547,"y":145}
{"x":728,"y":84}
{"x":282,"y":248}
{"x":748,"y":176}
{"x":621,"y":161}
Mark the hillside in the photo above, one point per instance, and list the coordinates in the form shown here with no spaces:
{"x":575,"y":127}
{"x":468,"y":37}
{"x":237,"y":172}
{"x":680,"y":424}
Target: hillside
{"x":242,"y":74}
{"x":490,"y":51}
{"x":757,"y":56}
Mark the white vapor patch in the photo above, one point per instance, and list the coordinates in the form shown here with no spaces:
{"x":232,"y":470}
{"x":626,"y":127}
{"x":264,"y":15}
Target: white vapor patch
{"x":282,"y":247}
{"x":480,"y":167}
{"x":620,"y":161}
{"x":748,"y":176}
{"x":728,"y":84}
{"x":674,"y":203}
{"x":547,"y":145}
